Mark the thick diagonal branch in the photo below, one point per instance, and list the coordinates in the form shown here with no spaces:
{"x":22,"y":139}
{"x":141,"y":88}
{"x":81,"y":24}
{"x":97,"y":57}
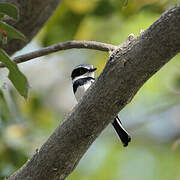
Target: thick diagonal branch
{"x":127,"y":69}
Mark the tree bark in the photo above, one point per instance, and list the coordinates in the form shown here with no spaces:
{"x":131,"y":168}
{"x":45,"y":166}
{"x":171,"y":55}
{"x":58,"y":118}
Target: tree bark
{"x":33,"y":15}
{"x":127,"y":69}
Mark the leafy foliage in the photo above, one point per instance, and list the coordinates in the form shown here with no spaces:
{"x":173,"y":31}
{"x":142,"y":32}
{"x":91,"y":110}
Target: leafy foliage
{"x":11,"y":32}
{"x":15,"y":75}
{"x":9,"y":10}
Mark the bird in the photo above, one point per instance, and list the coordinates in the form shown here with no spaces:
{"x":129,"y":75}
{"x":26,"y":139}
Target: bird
{"x":82,"y":78}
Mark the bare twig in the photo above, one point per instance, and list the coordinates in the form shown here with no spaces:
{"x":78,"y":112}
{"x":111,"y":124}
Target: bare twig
{"x":126,"y":3}
{"x":63,"y":46}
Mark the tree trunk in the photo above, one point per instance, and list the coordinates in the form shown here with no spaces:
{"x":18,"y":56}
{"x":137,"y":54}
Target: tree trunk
{"x":33,"y":15}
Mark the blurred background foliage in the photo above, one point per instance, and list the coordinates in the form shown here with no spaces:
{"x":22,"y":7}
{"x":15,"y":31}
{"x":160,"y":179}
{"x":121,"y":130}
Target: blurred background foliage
{"x":152,"y":118}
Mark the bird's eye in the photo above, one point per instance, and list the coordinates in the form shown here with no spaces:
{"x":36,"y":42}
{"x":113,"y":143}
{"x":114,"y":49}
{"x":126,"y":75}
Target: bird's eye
{"x":82,"y":71}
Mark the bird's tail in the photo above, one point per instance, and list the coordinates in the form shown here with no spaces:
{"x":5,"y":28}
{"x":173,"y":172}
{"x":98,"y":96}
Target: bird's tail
{"x":122,"y":133}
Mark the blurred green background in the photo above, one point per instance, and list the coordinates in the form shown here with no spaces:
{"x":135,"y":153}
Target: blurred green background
{"x":152,"y":118}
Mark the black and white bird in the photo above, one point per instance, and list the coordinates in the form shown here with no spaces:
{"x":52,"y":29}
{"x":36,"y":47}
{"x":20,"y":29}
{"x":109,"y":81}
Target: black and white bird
{"x":82,"y":78}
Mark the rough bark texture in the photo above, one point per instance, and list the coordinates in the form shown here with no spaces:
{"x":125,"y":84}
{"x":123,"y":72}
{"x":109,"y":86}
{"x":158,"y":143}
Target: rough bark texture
{"x":33,"y":15}
{"x":127,"y":69}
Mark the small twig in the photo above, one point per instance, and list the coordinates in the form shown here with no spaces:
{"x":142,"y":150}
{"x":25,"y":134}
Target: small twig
{"x":126,"y":3}
{"x":63,"y":46}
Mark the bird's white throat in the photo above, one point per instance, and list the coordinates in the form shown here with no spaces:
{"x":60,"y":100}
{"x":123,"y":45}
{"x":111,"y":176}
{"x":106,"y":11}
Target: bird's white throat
{"x":81,"y":90}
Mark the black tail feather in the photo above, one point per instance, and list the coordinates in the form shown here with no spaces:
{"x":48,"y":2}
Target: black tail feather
{"x":122,"y":133}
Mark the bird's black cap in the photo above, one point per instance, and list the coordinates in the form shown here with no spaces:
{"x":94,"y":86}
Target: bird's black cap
{"x":82,"y":69}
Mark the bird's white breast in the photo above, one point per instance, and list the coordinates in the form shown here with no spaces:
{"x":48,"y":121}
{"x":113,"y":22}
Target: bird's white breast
{"x":81,"y":90}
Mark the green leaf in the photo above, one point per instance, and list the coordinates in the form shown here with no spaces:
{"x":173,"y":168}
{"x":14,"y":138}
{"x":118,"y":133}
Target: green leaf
{"x":4,"y":40}
{"x":15,"y":75}
{"x":5,"y":113}
{"x":1,"y":36}
{"x":1,"y":16}
{"x":10,"y":10}
{"x":12,"y":32}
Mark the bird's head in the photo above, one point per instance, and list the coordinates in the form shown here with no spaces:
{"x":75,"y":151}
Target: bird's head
{"x":82,"y":71}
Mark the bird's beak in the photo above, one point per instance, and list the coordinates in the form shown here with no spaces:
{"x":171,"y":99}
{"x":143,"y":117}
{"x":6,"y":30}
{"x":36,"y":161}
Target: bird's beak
{"x":92,"y":70}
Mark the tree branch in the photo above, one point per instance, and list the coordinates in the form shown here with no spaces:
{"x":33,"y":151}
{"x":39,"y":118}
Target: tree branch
{"x":33,"y":15}
{"x":63,"y":46}
{"x":127,"y":69}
